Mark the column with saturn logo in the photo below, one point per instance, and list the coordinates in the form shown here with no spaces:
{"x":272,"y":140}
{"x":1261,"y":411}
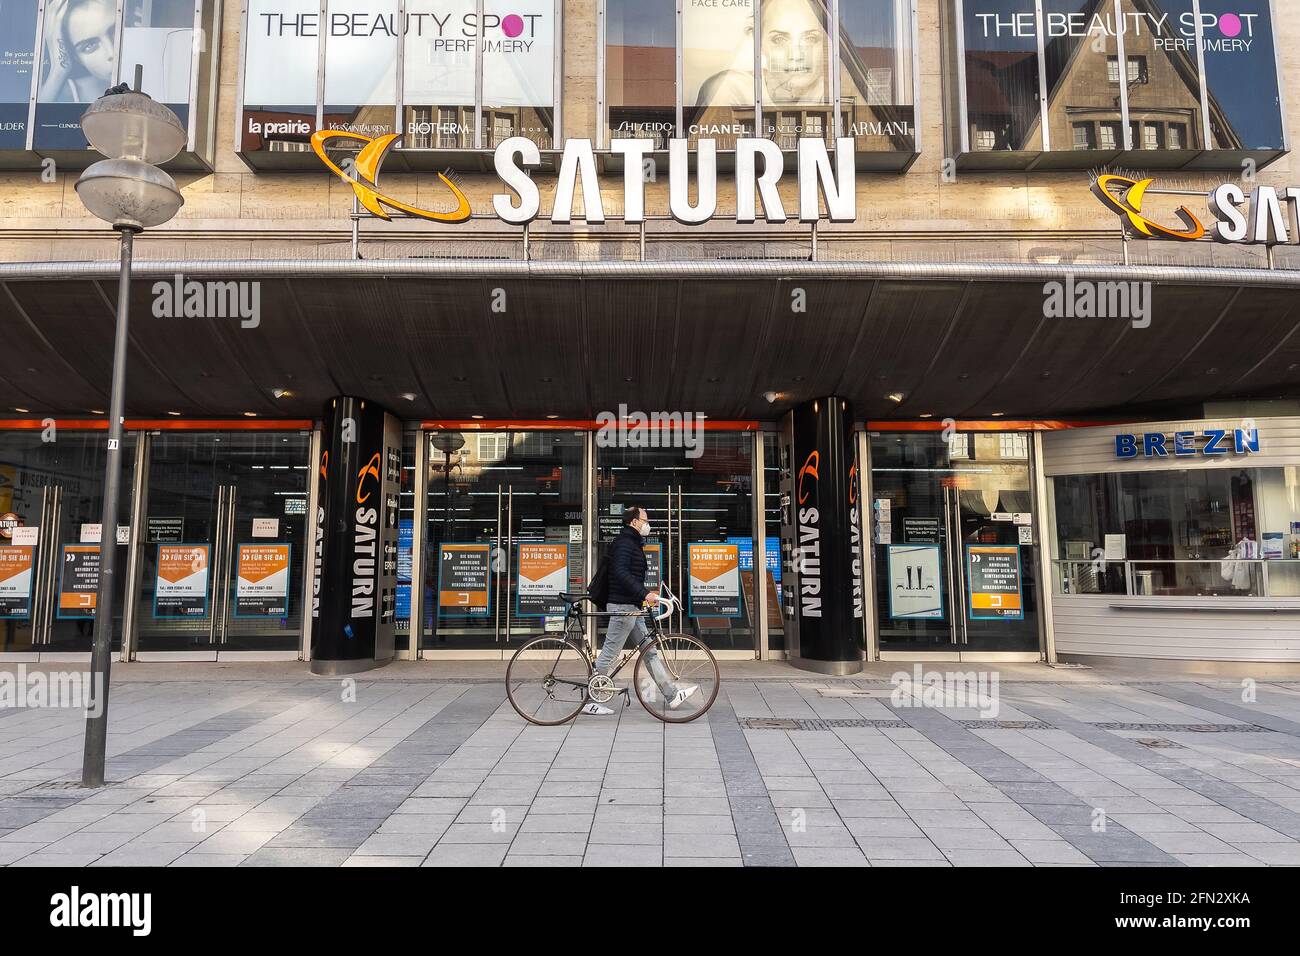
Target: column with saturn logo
{"x":354,"y":590}
{"x":821,"y":538}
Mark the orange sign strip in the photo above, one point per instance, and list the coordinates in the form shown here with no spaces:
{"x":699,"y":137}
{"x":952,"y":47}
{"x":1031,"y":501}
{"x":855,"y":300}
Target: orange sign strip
{"x":164,"y":424}
{"x":568,"y":424}
{"x":993,"y":425}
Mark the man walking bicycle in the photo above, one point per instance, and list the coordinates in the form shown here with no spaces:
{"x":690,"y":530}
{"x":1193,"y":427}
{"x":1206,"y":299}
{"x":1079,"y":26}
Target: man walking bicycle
{"x":627,"y":596}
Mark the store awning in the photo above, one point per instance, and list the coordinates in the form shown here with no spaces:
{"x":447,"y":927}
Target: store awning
{"x":524,"y":340}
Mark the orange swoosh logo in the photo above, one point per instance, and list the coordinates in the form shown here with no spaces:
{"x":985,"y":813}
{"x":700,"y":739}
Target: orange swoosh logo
{"x":809,"y":468}
{"x":366,"y":181}
{"x":371,"y":469}
{"x":1128,"y":203}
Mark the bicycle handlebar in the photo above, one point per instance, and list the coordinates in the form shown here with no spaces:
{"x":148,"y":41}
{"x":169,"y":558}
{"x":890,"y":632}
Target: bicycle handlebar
{"x":669,"y":602}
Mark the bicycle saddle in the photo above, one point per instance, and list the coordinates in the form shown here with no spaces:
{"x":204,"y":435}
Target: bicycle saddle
{"x":573,"y":597}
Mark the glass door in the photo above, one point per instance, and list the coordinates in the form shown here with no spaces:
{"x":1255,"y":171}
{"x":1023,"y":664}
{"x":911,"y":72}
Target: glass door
{"x":224,"y":543}
{"x":51,"y":497}
{"x":952,"y":526}
{"x":700,"y":504}
{"x":504,"y":535}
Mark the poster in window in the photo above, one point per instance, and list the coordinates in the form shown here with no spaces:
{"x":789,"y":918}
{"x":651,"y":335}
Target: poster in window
{"x":714,"y":572}
{"x":463,"y":580}
{"x":993,"y":575}
{"x":262,"y":580}
{"x":181,"y":581}
{"x":78,"y":581}
{"x":542,"y":573}
{"x":16,"y":582}
{"x":915,"y":582}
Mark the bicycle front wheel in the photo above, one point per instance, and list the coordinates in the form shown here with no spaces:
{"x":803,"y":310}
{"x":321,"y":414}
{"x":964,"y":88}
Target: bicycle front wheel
{"x":684,"y":663}
{"x":547,"y":681}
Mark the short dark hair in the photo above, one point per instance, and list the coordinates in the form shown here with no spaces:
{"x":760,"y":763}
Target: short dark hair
{"x":632,"y":513}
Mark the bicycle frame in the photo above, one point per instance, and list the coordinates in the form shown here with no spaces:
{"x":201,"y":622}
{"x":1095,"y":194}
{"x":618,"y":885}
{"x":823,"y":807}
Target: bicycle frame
{"x":573,"y":632}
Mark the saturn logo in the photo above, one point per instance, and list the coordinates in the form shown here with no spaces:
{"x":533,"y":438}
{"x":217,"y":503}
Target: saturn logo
{"x":365,"y":182}
{"x":370,"y":470}
{"x":1128,"y":202}
{"x":809,"y":468}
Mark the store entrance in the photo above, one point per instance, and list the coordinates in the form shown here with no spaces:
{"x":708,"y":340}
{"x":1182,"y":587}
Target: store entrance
{"x":223,"y":545}
{"x":952,"y":526}
{"x":51,"y":498}
{"x":701,"y":510}
{"x":504,"y":535}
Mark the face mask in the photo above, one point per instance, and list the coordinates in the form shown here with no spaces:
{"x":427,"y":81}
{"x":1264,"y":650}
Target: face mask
{"x":644,"y":528}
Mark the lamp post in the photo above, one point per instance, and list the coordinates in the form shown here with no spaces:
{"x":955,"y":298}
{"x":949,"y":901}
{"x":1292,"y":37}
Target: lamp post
{"x":128,"y":191}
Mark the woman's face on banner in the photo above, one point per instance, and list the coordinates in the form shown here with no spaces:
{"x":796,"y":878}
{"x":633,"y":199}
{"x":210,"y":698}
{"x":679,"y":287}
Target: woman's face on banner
{"x":92,"y":36}
{"x":794,"y":52}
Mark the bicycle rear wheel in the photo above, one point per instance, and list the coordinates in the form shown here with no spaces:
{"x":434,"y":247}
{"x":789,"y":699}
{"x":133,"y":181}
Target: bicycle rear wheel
{"x":546,"y":681}
{"x":689,"y":664}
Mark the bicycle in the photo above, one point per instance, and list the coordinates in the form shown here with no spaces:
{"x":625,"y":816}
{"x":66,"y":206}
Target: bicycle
{"x":555,"y":671}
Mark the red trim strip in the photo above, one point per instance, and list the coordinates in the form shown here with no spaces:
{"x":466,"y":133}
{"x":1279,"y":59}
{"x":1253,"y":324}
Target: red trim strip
{"x":565,"y":424}
{"x":164,"y":424}
{"x":994,"y":425}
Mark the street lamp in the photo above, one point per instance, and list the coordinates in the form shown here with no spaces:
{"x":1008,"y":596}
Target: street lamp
{"x":129,"y":192}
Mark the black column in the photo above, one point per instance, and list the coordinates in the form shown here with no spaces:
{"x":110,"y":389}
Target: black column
{"x":821,"y":538}
{"x":358,"y":478}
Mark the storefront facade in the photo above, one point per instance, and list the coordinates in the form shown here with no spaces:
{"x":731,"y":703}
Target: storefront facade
{"x":988,"y":236}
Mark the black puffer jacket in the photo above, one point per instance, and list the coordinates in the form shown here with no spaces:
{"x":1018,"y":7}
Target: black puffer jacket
{"x":627,"y":566}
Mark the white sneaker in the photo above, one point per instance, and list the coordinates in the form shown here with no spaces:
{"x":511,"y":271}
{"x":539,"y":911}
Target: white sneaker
{"x":680,"y":697}
{"x":595,"y":710}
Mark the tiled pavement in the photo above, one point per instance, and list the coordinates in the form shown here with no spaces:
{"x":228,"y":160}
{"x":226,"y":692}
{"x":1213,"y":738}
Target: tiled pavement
{"x":256,"y":765}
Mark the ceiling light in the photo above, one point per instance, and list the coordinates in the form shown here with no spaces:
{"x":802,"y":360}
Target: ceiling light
{"x":97,"y":411}
{"x":250,"y":414}
{"x":552,"y":416}
{"x":998,"y":414}
{"x":409,"y":396}
{"x":173,"y":413}
{"x":282,"y":393}
{"x":24,"y":410}
{"x":476,"y":416}
{"x":895,"y":396}
{"x":927,"y":414}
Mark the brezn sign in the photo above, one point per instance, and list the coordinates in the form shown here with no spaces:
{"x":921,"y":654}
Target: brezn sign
{"x":820,"y":180}
{"x":1272,"y":216}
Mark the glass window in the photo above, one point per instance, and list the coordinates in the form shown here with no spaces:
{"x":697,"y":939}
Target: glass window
{"x":1207,"y":532}
{"x":487,"y":495}
{"x":361,"y":67}
{"x":405,"y":543}
{"x":693,"y":500}
{"x":439,"y":70}
{"x":159,"y":35}
{"x":1083,"y":136}
{"x":57,"y":487}
{"x":877,"y":98}
{"x":1163,"y":78}
{"x":80,"y":60}
{"x":1082,"y":61}
{"x":776,"y":560}
{"x":281,"y":41}
{"x":1151,"y":136}
{"x":18,"y":27}
{"x":519,"y":67}
{"x":1001,"y":66}
{"x":641,"y":69}
{"x":1241,"y":75}
{"x":795,"y":56}
{"x":718,"y":72}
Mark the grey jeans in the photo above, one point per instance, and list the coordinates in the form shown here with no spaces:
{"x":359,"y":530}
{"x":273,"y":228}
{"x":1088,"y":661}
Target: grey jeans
{"x":616,"y":636}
